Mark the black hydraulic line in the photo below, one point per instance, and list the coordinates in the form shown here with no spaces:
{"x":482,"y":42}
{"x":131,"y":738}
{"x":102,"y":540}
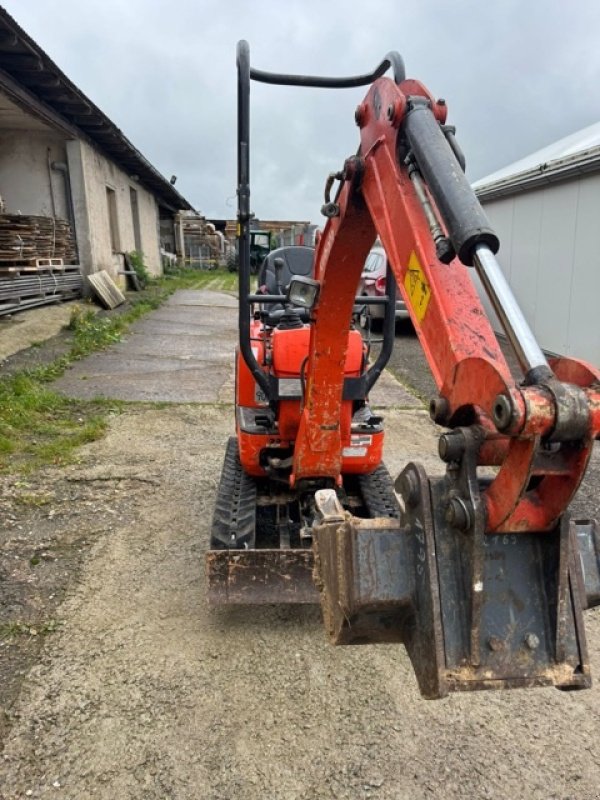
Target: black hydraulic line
{"x":392,"y":59}
{"x":450,"y":134}
{"x":389,"y":329}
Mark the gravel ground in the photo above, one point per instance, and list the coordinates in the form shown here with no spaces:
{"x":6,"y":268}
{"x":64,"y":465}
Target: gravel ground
{"x":141,"y":692}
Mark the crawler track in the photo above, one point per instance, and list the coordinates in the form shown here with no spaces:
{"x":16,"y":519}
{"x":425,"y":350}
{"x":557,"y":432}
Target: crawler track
{"x":234,"y":519}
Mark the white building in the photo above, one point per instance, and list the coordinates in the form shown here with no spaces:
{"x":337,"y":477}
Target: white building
{"x":546,"y":210}
{"x":60,"y":156}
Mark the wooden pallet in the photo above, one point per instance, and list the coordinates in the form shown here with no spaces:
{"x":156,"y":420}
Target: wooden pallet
{"x":17,"y":269}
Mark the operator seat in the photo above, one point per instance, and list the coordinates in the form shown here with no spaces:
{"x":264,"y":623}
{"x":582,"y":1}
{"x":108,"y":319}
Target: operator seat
{"x":297,"y":260}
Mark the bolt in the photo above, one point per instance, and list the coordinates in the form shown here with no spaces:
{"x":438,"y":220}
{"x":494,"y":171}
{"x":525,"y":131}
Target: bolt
{"x":502,"y":412}
{"x":532,"y":641}
{"x":459,"y":514}
{"x":441,"y":102}
{"x":407,"y":485}
{"x":451,"y":446}
{"x":439,"y":410}
{"x":496,"y":644}
{"x":360,"y":115}
{"x":390,"y":112}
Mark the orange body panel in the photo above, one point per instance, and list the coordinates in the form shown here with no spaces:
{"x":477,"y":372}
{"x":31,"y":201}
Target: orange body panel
{"x":284,"y":353}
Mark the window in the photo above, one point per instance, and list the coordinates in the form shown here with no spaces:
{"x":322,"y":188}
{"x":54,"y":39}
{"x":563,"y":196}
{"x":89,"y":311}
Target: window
{"x":135,"y":216}
{"x":261,"y":239}
{"x":373,"y":262}
{"x":113,"y":219}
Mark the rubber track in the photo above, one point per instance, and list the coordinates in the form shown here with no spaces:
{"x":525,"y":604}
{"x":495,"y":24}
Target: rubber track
{"x":234,"y":519}
{"x":378,"y":494}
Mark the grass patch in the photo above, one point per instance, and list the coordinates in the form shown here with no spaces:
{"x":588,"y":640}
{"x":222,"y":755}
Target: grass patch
{"x":10,"y":630}
{"x":33,"y":500}
{"x":38,"y":426}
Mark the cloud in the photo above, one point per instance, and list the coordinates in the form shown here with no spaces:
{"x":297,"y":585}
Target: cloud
{"x":516,"y":77}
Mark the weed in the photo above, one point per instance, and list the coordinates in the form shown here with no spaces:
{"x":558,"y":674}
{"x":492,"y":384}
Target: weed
{"x":33,"y":500}
{"x":136,"y":259}
{"x":9,"y":630}
{"x":403,"y":377}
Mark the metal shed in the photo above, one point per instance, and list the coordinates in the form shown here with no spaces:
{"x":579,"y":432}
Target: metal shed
{"x":546,"y":211}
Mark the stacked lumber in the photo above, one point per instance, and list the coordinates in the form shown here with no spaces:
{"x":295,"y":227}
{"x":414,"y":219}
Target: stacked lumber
{"x":23,"y":288}
{"x":24,"y":238}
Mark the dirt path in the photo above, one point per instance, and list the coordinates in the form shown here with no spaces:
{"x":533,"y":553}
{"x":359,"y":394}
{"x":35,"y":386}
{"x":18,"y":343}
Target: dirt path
{"x":144,"y":693}
{"x":29,"y":327}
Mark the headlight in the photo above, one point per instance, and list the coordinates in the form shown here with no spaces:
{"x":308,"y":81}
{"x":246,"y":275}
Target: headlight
{"x":303,"y":292}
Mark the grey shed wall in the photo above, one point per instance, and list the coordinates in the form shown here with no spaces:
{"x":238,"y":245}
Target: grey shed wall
{"x":550,"y":254}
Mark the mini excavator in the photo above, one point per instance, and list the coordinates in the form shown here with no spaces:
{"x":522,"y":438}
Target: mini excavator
{"x":480,"y":573}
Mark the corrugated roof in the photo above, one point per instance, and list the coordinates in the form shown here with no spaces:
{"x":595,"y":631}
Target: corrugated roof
{"x":574,"y":154}
{"x":24,"y":61}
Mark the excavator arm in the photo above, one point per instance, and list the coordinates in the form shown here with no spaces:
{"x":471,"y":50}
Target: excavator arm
{"x":483,"y":575}
{"x":485,"y":580}
{"x":408,"y":186}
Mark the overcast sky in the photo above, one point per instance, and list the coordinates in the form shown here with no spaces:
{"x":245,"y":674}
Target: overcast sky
{"x":516,"y":76}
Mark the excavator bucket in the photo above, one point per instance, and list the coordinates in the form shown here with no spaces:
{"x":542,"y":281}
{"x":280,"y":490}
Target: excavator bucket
{"x":474,"y":610}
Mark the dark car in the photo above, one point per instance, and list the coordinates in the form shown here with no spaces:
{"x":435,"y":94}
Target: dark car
{"x":372,"y":284}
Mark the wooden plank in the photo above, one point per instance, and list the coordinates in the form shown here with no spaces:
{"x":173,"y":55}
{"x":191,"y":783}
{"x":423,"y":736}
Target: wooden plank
{"x":105,"y":289}
{"x":28,"y":240}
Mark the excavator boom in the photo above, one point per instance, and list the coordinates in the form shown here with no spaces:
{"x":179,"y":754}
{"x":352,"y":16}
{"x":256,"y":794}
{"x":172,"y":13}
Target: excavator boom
{"x":480,"y":573}
{"x":407,"y":169}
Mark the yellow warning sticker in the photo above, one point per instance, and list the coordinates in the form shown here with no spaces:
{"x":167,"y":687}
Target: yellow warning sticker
{"x":419,"y":291}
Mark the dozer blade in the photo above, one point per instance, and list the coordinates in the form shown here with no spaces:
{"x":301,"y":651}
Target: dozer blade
{"x":240,"y":569}
{"x":260,"y":577}
{"x":244,"y":566}
{"x":474,"y":610}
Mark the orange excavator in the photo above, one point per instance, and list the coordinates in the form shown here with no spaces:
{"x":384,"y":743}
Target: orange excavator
{"x":480,"y":573}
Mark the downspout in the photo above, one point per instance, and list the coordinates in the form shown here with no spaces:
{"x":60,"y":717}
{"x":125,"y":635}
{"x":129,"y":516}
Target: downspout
{"x":60,"y":166}
{"x":52,"y":197}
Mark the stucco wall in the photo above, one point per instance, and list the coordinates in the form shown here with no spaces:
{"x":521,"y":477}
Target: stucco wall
{"x":25,"y":174}
{"x":29,"y":185}
{"x":91,"y":174}
{"x":549,"y":254}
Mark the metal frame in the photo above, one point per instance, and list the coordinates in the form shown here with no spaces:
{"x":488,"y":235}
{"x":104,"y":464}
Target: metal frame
{"x":246,"y":73}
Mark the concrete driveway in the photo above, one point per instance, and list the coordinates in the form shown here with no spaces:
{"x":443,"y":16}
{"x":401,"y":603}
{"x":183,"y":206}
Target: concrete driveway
{"x":183,"y":353}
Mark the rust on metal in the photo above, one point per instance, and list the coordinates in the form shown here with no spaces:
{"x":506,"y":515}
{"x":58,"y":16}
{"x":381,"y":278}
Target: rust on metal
{"x":474,"y":611}
{"x":260,"y":577}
